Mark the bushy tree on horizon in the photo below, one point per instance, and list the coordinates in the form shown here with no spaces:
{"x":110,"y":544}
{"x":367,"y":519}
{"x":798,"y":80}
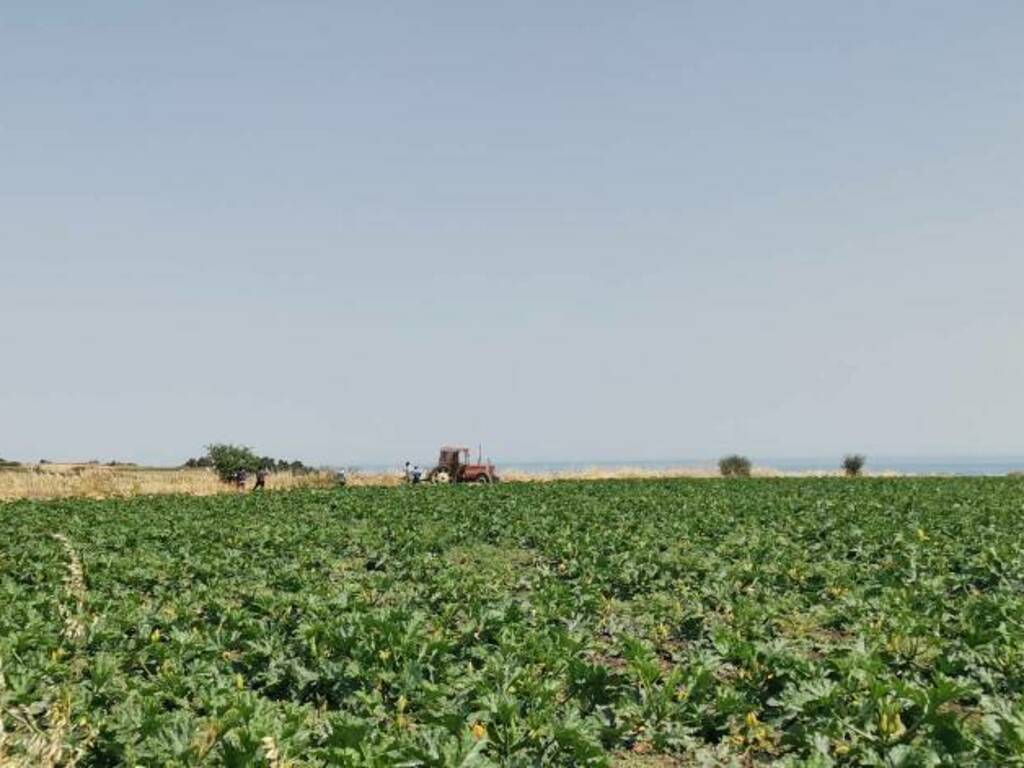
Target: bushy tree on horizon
{"x":734,"y":466}
{"x":853,"y":464}
{"x":230,"y":459}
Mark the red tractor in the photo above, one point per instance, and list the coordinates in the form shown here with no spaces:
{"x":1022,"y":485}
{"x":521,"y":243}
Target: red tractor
{"x":453,"y":467}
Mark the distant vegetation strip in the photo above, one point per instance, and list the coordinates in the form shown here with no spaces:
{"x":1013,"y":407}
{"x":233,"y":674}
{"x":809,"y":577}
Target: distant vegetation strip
{"x":103,"y":481}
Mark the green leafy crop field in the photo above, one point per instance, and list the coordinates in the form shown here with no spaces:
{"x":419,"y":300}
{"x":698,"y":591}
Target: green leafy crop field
{"x":636,"y":623}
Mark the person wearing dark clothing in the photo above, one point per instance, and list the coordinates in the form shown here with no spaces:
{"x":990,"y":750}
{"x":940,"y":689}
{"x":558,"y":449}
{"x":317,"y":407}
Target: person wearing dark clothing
{"x":261,"y":478}
{"x":240,"y":478}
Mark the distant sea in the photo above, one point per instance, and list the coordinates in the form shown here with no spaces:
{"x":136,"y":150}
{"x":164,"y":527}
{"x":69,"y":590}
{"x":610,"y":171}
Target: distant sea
{"x":911,"y":465}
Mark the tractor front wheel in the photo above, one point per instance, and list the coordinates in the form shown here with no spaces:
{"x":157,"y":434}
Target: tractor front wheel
{"x":484,"y":479}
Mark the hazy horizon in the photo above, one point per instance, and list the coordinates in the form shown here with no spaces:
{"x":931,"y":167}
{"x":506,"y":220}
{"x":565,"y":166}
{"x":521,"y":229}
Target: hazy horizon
{"x":568,"y":231}
{"x":957,"y":463}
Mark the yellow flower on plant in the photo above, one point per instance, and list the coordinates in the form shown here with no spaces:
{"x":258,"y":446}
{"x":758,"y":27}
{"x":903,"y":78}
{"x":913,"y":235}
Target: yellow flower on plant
{"x":479,"y":730}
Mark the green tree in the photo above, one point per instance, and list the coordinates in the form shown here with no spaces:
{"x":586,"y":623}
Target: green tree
{"x":734,"y":466}
{"x":853,"y":464}
{"x":229,"y":459}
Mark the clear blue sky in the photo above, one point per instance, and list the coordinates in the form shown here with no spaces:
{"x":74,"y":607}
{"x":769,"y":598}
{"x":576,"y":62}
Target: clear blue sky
{"x":349,"y":232}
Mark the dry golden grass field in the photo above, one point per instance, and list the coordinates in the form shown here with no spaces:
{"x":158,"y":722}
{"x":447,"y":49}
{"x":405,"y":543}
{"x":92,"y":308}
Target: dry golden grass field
{"x":97,"y":481}
{"x":56,"y":481}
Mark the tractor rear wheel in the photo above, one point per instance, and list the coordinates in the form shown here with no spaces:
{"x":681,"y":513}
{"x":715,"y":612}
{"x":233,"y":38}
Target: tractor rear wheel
{"x":484,"y":479}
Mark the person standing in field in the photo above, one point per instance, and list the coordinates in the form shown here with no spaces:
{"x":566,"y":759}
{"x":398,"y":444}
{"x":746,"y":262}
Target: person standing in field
{"x":240,"y":478}
{"x":261,"y":478}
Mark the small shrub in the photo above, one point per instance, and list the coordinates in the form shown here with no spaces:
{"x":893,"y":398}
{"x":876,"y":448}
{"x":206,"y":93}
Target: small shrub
{"x":283,"y":465}
{"x":734,"y":466}
{"x":853,"y":464}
